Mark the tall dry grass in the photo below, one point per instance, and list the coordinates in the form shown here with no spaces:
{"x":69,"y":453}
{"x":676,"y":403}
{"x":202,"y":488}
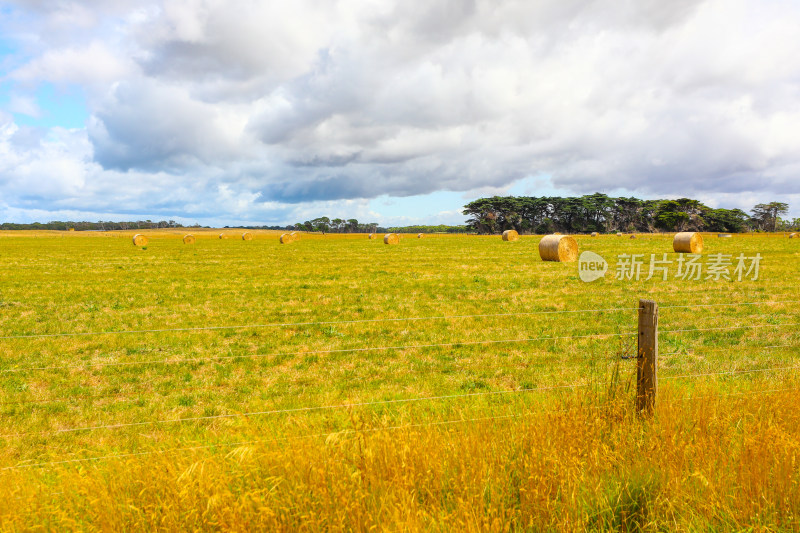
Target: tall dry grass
{"x":714,"y":462}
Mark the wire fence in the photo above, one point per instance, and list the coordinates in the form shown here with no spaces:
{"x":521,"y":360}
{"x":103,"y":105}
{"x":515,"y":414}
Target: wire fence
{"x":361,"y":431}
{"x":375,"y":320}
{"x":571,"y":387}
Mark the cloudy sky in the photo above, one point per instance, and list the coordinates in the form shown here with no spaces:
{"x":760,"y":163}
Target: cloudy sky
{"x":269,"y":112}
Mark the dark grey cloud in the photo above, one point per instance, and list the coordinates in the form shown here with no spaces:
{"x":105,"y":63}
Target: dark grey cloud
{"x":145,"y":126}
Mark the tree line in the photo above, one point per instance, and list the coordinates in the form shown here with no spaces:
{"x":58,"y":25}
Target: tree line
{"x":602,"y":213}
{"x":94,"y":226}
{"x":337,"y":225}
{"x":352,"y":225}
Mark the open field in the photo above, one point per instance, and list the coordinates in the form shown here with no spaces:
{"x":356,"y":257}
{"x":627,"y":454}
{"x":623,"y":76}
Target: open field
{"x":444,"y":383}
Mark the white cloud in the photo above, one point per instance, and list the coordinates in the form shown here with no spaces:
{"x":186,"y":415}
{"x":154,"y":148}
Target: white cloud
{"x":24,"y":104}
{"x":87,"y":65}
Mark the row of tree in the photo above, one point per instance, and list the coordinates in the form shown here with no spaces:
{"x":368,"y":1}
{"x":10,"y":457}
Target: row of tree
{"x":440,"y":228}
{"x":337,"y":225}
{"x":602,"y":213}
{"x":94,"y":226}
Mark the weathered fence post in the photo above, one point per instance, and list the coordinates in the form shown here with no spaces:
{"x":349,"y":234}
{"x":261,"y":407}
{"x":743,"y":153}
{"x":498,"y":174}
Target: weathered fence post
{"x":647,"y":358}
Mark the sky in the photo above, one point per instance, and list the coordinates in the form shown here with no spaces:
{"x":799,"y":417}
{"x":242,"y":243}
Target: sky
{"x":270,"y":113}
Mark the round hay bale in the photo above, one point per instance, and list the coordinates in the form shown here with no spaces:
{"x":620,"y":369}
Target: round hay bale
{"x":561,"y":248}
{"x":688,"y":242}
{"x":594,"y":234}
{"x":724,"y":235}
{"x":391,"y":238}
{"x":793,"y":235}
{"x":139,"y":240}
{"x":286,"y":238}
{"x":189,"y":239}
{"x":619,"y":234}
{"x":371,"y":236}
{"x":510,"y":235}
{"x":420,"y":235}
{"x":247,"y":236}
{"x":223,"y":236}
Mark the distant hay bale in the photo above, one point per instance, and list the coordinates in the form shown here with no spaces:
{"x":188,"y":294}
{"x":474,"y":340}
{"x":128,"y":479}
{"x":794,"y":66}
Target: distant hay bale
{"x":139,"y":240}
{"x":594,"y":234}
{"x":510,"y":235}
{"x":420,"y":235}
{"x":793,"y":236}
{"x":619,"y":234}
{"x":286,"y":238}
{"x":391,"y":238}
{"x":189,"y":239}
{"x":724,"y":235}
{"x":223,"y":236}
{"x":688,"y":242}
{"x":561,"y":248}
{"x":371,"y":236}
{"x":247,"y":236}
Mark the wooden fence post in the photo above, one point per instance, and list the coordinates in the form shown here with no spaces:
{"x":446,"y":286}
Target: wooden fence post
{"x":647,"y":358}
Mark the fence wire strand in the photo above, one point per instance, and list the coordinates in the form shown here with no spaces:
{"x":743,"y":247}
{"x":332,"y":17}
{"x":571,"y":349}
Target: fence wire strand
{"x":320,"y":323}
{"x":293,"y":410}
{"x":363,"y":431}
{"x":299,"y":437}
{"x":315,"y":352}
{"x":371,"y":320}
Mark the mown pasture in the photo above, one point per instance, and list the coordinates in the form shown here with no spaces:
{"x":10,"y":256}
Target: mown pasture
{"x":446,"y":383}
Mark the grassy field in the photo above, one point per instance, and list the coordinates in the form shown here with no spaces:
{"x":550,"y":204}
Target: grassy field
{"x":445,"y":383}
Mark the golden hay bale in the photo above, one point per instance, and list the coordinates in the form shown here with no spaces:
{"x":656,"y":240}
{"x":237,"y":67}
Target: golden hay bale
{"x":139,"y":240}
{"x":594,"y":234}
{"x":223,"y":236}
{"x":561,"y":248}
{"x":420,"y":235}
{"x":724,"y":235}
{"x":510,"y":235}
{"x":619,"y":234}
{"x":688,"y":242}
{"x":793,"y":235}
{"x":286,"y":238}
{"x":188,"y":239}
{"x":371,"y":236}
{"x":391,"y":238}
{"x":247,"y":236}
